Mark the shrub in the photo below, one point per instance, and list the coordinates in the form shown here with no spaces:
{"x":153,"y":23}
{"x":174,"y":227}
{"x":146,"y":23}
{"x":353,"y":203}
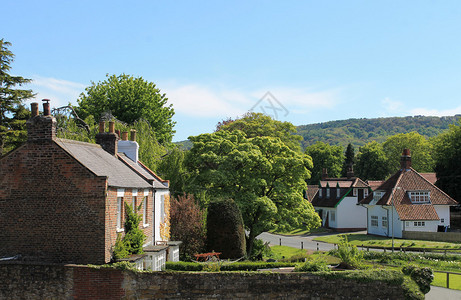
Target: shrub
{"x":187,"y":225}
{"x":120,"y":248}
{"x":313,"y":265}
{"x":237,"y":266}
{"x":134,"y":236}
{"x":422,"y":276}
{"x":260,"y":250}
{"x":225,"y":232}
{"x":349,"y":253}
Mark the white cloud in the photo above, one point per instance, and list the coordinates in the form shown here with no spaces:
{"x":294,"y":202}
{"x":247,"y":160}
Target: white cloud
{"x":391,"y":105}
{"x":436,"y":112}
{"x":59,"y":91}
{"x":202,"y":101}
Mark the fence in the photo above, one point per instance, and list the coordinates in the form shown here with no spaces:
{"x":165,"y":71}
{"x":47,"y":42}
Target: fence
{"x":448,"y":276}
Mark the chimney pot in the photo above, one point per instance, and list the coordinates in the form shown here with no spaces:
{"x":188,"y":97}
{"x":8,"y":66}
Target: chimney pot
{"x":111,"y":127}
{"x":125,"y":136}
{"x":34,"y":109}
{"x":324,"y":173}
{"x":133,"y":135}
{"x":46,"y":107}
{"x":102,"y":127}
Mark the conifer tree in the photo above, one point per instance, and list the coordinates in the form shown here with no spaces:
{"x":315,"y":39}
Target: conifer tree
{"x":11,"y":99}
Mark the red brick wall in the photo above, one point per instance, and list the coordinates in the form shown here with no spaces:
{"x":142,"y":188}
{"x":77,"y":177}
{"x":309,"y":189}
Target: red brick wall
{"x":111,"y":216}
{"x":51,"y":207}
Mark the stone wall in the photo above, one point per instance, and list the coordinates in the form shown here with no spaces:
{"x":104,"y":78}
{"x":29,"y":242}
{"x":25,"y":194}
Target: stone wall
{"x":451,"y":237}
{"x":39,"y":281}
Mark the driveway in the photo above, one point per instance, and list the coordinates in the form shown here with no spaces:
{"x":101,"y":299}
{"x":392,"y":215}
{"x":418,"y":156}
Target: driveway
{"x":297,"y":241}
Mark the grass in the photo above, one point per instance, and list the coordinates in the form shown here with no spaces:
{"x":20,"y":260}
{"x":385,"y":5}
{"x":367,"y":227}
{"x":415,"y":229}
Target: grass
{"x":279,"y":252}
{"x":369,"y":240}
{"x":440,"y":279}
{"x":301,"y":231}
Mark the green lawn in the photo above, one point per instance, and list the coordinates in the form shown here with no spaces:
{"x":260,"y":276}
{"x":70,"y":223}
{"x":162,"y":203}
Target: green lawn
{"x":440,"y":279}
{"x":370,"y":240}
{"x":301,"y":231}
{"x":279,"y":252}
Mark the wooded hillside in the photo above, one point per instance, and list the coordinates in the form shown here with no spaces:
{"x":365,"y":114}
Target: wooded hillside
{"x":358,"y":132}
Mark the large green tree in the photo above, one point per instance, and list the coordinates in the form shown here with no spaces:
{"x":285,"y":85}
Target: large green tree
{"x":420,"y":147}
{"x":172,"y":168}
{"x":263,"y":175}
{"x":371,"y":162}
{"x":12,"y":114}
{"x":258,"y":124}
{"x":447,"y":156}
{"x":349,"y":160}
{"x":129,"y":99}
{"x":325,"y":156}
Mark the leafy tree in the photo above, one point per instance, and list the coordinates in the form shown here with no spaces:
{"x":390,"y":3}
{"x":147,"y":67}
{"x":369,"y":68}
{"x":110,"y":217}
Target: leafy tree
{"x":225,"y":231}
{"x":419,"y":146}
{"x":372,"y":162}
{"x":172,"y":168}
{"x":129,"y":99}
{"x":263,"y":176}
{"x":325,"y":156}
{"x":12,"y":114}
{"x":258,"y":125}
{"x":447,"y":156}
{"x":187,"y":225}
{"x":349,"y":160}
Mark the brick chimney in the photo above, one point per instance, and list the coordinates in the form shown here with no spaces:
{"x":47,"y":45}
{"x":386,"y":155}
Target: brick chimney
{"x":350,"y":171}
{"x":107,"y":140}
{"x":129,"y":147}
{"x":405,"y":160}
{"x":41,"y":127}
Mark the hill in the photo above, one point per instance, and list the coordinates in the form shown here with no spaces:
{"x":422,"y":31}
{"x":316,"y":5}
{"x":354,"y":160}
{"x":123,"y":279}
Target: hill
{"x":358,"y":132}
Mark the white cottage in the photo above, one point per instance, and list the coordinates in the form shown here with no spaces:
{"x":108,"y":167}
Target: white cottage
{"x":407,"y":201}
{"x":336,"y":202}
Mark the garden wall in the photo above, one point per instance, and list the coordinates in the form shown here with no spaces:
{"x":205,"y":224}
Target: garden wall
{"x":451,"y":237}
{"x":39,"y":281}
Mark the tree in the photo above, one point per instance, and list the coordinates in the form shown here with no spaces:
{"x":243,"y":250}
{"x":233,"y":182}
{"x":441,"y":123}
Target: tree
{"x":349,"y":160}
{"x":187,"y":225}
{"x":258,"y":124}
{"x":419,"y":146}
{"x":172,"y":168}
{"x":325,"y":156}
{"x":12,"y":129}
{"x":447,"y":156}
{"x":225,"y":231}
{"x":372,"y":162}
{"x":129,"y":99}
{"x":264,"y":177}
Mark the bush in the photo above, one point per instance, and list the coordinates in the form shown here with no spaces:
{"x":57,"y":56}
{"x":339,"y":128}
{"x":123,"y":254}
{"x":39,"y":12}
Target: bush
{"x":120,"y":248}
{"x":313,"y":265}
{"x":260,"y":250}
{"x":134,"y":237}
{"x":225,"y":232}
{"x":349,"y":253}
{"x":238,"y":266}
{"x":422,"y":276}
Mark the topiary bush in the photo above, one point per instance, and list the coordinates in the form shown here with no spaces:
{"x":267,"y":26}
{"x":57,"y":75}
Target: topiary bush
{"x":422,"y":276}
{"x":225,"y":232}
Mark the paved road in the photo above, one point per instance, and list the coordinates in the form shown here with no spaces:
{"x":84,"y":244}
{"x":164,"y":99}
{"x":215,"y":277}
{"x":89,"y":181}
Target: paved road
{"x":439,"y":293}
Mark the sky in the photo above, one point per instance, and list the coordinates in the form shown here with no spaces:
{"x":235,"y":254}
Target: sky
{"x":299,"y":61}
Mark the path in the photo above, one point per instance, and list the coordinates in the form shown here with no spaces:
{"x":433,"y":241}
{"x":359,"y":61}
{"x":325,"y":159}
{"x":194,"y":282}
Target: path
{"x":440,"y":293}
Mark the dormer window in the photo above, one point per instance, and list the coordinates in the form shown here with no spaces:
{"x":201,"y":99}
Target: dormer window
{"x":320,"y":192}
{"x":354,"y":192}
{"x":328,"y":192}
{"x":338,"y":192}
{"x":365,"y":193}
{"x":376,"y":197}
{"x":419,"y":196}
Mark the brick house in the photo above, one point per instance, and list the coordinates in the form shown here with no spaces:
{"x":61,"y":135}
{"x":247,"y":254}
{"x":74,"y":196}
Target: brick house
{"x":62,"y":200}
{"x":407,"y":201}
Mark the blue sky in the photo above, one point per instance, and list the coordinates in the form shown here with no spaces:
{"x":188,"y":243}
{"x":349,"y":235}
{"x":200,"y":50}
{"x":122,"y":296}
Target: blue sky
{"x":319,"y":60}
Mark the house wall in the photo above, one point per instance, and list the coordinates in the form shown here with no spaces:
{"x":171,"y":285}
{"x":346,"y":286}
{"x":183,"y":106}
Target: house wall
{"x":444,"y":213}
{"x":51,"y":207}
{"x":380,"y":212}
{"x":111,"y":215}
{"x":159,"y":195}
{"x":351,"y":215}
{"x":430,"y":226}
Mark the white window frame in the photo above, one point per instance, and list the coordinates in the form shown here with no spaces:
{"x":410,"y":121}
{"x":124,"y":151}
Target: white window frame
{"x":384,"y":222}
{"x":338,"y":192}
{"x":365,"y":193}
{"x":419,"y":196}
{"x":320,"y":192}
{"x":144,"y":211}
{"x":442,"y":220}
{"x":419,"y":223}
{"x":333,"y":216}
{"x":119,"y":214}
{"x":328,"y":192}
{"x":374,"y":221}
{"x":354,"y":192}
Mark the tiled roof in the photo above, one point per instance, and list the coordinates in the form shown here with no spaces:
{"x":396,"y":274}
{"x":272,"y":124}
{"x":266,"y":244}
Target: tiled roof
{"x":330,"y":201}
{"x":141,"y":171}
{"x":311,"y":192}
{"x":416,"y":212}
{"x":431,"y":177}
{"x":101,"y":163}
{"x":396,"y":190}
{"x":359,"y":183}
{"x":373,"y":184}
